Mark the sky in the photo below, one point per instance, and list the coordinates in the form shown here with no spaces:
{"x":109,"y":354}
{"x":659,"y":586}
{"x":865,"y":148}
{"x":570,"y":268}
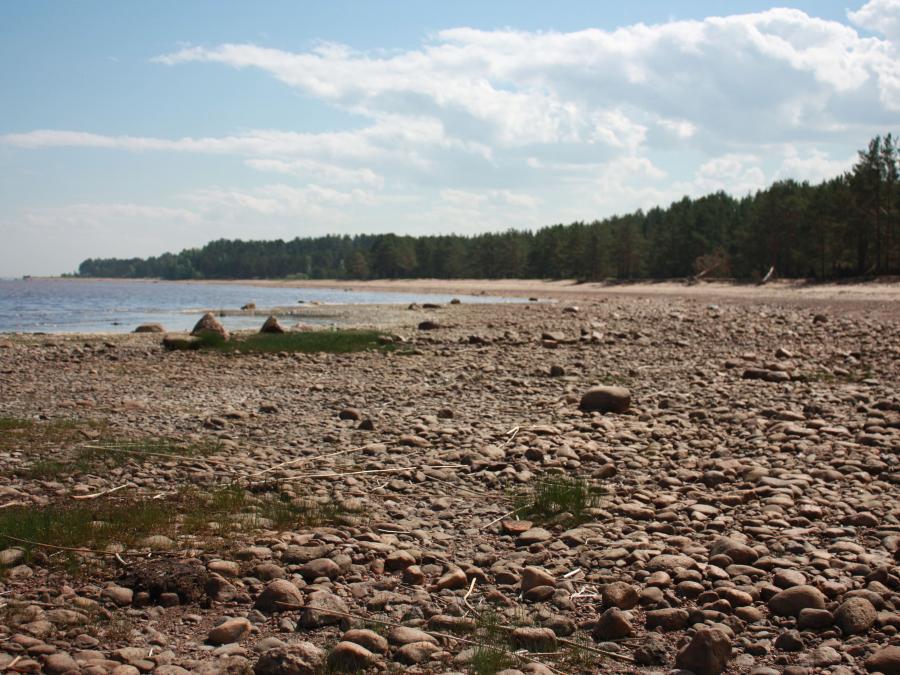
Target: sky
{"x":129,"y":128}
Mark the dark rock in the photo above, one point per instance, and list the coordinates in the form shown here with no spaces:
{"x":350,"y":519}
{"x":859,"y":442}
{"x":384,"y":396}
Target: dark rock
{"x":272,"y":326}
{"x":606,"y":399}
{"x":707,"y":653}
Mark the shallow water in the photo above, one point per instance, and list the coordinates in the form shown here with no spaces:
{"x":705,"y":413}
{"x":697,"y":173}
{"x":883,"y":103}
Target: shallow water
{"x":72,"y":306}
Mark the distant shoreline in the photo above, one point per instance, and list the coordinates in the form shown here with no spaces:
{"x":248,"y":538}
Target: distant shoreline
{"x":878,"y":290}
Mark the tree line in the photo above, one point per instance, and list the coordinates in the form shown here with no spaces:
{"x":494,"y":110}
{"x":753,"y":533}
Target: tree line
{"x":846,"y":226}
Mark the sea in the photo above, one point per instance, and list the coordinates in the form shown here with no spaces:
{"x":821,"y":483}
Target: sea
{"x":109,"y":306}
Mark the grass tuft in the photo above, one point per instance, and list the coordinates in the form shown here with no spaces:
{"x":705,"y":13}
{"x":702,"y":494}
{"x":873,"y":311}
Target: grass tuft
{"x":489,"y":657}
{"x":549,"y":497}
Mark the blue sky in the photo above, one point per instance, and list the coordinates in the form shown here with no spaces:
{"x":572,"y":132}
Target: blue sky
{"x":129,"y":129}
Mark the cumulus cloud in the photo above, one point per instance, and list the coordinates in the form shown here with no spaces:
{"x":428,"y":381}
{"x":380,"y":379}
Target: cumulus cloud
{"x":879,"y":16}
{"x":489,"y":129}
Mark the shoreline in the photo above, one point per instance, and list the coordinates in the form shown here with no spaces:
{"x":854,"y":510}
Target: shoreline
{"x":801,"y":289}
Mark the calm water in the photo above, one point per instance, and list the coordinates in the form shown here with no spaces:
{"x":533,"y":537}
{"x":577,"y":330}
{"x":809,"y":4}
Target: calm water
{"x":65,"y":306}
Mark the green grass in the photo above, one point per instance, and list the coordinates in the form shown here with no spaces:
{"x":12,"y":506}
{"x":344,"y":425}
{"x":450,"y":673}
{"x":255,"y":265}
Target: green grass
{"x":336,"y":342}
{"x":85,"y":526}
{"x":125,"y":520}
{"x":97,"y":456}
{"x":14,"y":423}
{"x":491,"y":655}
{"x":25,"y":434}
{"x":549,"y":497}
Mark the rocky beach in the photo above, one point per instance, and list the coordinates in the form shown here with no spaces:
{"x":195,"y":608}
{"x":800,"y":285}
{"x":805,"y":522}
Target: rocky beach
{"x":697,"y":480}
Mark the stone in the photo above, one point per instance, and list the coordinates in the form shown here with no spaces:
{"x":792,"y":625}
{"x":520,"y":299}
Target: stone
{"x":59,"y":663}
{"x":350,"y":657}
{"x":789,"y":641}
{"x":816,"y":619}
{"x":886,"y":660}
{"x":738,"y":552}
{"x":369,"y":639}
{"x":118,"y":595}
{"x":10,"y":557}
{"x":404,"y":635}
{"x":276,"y":595}
{"x":149,"y":328}
{"x":350,"y":414}
{"x":856,"y":615}
{"x":453,"y":580}
{"x":653,"y":651}
{"x":429,"y":325}
{"x":707,"y":653}
{"x":320,"y":567}
{"x":298,"y":658}
{"x":606,"y":399}
{"x":272,"y":326}
{"x":181,"y":342}
{"x":534,"y":639}
{"x":621,"y":595}
{"x":397,"y":561}
{"x":416,"y":652}
{"x":613,"y":624}
{"x":315,"y":614}
{"x":789,"y":602}
{"x":209,"y":326}
{"x":230,"y":630}
{"x":668,"y":619}
{"x":532,"y":577}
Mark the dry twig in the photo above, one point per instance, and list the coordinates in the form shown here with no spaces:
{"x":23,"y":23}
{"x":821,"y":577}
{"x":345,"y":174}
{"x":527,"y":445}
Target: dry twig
{"x":100,"y":494}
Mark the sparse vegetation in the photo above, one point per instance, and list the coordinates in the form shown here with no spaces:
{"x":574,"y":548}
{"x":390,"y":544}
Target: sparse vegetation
{"x":125,"y":520}
{"x":336,"y":342}
{"x":492,"y":654}
{"x":97,"y":455}
{"x":550,"y":497}
{"x":26,"y":434}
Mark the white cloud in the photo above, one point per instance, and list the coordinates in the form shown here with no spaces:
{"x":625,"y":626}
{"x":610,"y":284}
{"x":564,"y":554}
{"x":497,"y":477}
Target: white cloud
{"x":879,"y":16}
{"x":318,"y":171}
{"x":813,"y":165}
{"x":486,"y":129}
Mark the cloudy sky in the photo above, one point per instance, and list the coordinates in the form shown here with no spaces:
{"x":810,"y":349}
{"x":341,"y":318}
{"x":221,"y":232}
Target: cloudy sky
{"x":129,"y":129}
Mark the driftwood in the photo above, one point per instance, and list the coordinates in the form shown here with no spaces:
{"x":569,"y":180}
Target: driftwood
{"x":766,"y":279}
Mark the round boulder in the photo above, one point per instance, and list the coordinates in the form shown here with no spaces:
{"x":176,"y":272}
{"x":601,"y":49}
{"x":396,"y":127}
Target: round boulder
{"x":791,"y":601}
{"x":856,"y":615}
{"x":606,"y":399}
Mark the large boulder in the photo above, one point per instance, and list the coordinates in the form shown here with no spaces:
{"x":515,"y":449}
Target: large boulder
{"x":856,"y":615}
{"x":181,"y":342}
{"x":791,"y":601}
{"x":209,"y":326}
{"x":271,"y":325}
{"x":606,"y":399}
{"x":149,"y":328}
{"x":886,"y":660}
